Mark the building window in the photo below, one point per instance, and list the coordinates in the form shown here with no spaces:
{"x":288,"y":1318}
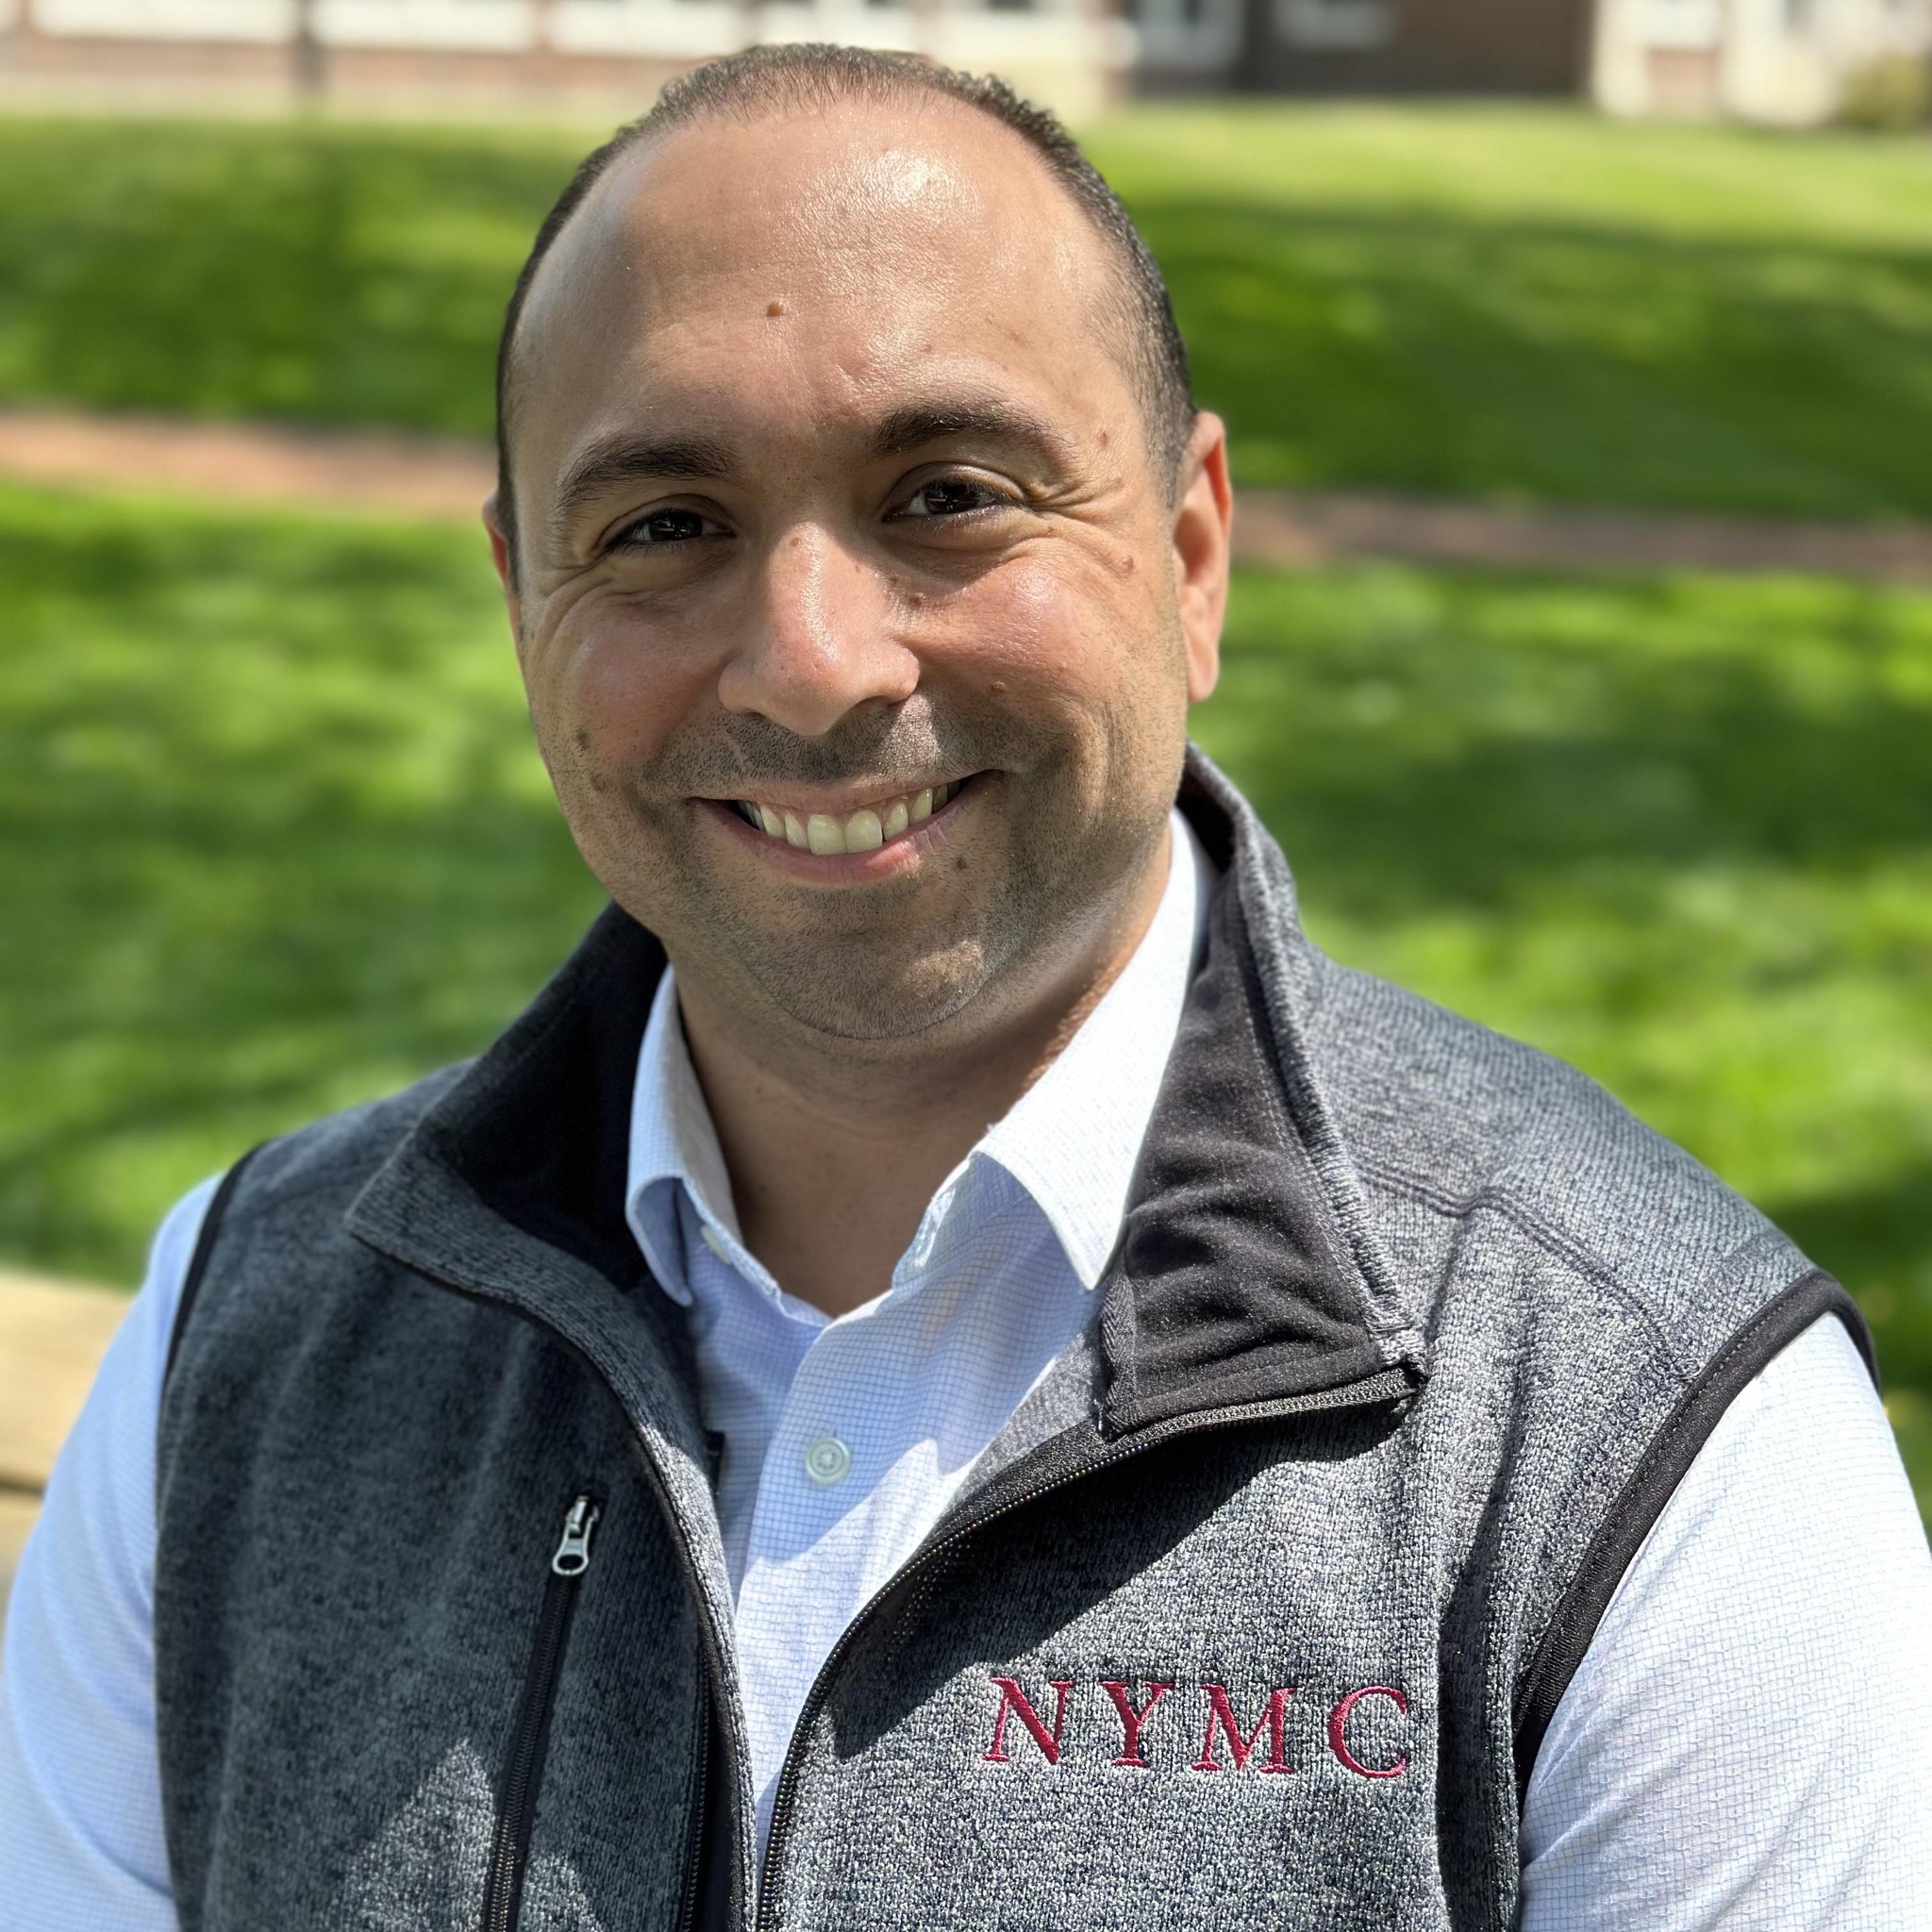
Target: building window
{"x":1335,"y":26}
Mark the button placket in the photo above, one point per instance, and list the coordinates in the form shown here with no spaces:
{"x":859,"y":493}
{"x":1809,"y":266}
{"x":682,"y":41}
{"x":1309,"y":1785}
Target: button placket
{"x":828,"y":1460}
{"x":822,"y":1448}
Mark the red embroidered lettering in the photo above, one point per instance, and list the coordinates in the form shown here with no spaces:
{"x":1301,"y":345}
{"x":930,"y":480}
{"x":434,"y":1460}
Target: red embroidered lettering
{"x":1337,"y":1726}
{"x":1131,"y":1720}
{"x":1013,"y":1702}
{"x":1273,"y":1721}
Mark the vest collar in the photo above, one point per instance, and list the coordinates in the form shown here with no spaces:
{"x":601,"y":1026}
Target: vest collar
{"x":1245,"y":1272}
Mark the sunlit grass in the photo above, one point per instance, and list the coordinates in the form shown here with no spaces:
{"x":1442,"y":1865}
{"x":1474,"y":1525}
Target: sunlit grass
{"x":1676,"y":830}
{"x":1502,"y":302}
{"x":1533,"y":304}
{"x":275,"y":839}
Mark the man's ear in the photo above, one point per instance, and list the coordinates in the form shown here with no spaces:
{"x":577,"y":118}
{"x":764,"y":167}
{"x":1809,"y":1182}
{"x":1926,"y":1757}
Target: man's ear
{"x":1203,"y":519}
{"x":500,"y":556}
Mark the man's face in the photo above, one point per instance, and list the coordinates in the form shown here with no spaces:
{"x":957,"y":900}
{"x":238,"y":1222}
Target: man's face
{"x":857,"y":628}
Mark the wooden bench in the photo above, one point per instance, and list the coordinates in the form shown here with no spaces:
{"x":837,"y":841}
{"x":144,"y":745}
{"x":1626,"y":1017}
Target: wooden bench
{"x":52,"y":1336}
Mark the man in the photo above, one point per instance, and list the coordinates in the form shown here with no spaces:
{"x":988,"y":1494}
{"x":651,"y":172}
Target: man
{"x":998,"y":1387}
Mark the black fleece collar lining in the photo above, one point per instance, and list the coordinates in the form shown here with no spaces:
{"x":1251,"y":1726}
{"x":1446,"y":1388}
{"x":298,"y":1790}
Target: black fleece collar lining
{"x":540,"y":1128}
{"x":1230,"y":1283}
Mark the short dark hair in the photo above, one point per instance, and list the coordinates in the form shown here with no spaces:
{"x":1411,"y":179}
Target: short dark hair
{"x":764,"y":80}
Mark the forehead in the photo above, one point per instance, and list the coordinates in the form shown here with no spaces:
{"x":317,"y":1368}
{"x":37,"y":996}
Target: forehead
{"x":808,"y":268}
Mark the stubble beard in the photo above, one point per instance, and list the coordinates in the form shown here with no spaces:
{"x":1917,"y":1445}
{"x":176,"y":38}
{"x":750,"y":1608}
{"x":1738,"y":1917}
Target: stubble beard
{"x":901,"y":959}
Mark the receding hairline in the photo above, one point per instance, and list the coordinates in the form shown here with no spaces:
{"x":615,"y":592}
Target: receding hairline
{"x":652,"y":140}
{"x":774,"y":83}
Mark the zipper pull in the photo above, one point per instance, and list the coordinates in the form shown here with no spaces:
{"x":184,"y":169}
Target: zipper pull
{"x":572,"y":1556}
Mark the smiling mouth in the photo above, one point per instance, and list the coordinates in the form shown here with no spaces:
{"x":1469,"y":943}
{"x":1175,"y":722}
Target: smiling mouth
{"x":864,"y":830}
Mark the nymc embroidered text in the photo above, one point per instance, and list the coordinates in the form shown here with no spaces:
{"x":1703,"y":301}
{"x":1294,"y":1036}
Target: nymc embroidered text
{"x":1229,"y":1739}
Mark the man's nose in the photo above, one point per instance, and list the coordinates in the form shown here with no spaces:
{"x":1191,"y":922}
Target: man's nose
{"x":818,"y":638}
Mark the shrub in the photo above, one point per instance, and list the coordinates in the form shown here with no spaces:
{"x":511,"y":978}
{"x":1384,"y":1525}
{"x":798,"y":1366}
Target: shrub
{"x":1889,"y":96}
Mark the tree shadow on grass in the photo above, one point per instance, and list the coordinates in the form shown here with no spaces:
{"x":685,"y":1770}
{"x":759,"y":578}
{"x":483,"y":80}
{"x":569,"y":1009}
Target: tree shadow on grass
{"x":340,"y":274}
{"x":1479,"y":355}
{"x":1425,"y":740}
{"x":277,"y":840}
{"x":1677,"y":829}
{"x":360,"y":276}
{"x":1877,"y":1239}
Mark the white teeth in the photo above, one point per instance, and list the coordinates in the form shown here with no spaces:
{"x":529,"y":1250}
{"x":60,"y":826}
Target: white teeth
{"x":864,"y":830}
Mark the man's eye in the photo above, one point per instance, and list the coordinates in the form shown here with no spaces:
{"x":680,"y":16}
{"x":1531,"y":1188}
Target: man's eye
{"x":950,"y":496}
{"x":664,"y":526}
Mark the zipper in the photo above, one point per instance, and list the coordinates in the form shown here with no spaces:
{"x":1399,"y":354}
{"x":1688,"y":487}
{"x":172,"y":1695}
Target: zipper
{"x":1388,"y":1386}
{"x":715,"y":1656}
{"x":510,"y":1849}
{"x":700,"y":1804}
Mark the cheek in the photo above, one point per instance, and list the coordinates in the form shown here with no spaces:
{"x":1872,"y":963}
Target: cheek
{"x":1099,"y":663}
{"x":1087,"y":642}
{"x":1041,"y":621}
{"x":612,"y":695}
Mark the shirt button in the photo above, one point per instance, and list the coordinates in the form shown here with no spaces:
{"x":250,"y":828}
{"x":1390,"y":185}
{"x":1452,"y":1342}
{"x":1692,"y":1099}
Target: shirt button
{"x":828,"y":1460}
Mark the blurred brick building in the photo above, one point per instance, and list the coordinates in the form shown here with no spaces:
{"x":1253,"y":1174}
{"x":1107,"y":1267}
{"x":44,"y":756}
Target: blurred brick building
{"x":468,"y":53}
{"x":1774,"y":60}
{"x":1779,"y":60}
{"x":1364,"y":46}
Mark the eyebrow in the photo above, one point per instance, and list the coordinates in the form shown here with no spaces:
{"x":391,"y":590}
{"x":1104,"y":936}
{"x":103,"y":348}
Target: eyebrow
{"x":630,"y":459}
{"x":626,"y":459}
{"x":920,"y":423}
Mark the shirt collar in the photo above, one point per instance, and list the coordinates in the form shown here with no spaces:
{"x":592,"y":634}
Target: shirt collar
{"x":1070,"y":1141}
{"x":672,"y":1143}
{"x":1072,"y":1137}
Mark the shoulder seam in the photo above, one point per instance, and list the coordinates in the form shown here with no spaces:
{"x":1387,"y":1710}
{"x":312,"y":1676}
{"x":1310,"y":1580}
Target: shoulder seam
{"x":1552,"y":1239}
{"x":1653,"y":1482}
{"x":204,"y":1250}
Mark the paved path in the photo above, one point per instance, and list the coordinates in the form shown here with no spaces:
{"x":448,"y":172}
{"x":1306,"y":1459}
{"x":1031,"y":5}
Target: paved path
{"x":449,"y":477}
{"x":1277,"y":528}
{"x":246,"y":462}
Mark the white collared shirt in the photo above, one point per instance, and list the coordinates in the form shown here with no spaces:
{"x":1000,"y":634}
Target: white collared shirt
{"x":1740,"y":1747}
{"x":843,"y":1441}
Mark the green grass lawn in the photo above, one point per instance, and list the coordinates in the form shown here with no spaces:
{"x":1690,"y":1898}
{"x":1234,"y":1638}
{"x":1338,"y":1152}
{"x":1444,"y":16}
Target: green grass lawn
{"x":1506,"y":302}
{"x":275,"y":840}
{"x":1537,"y":304}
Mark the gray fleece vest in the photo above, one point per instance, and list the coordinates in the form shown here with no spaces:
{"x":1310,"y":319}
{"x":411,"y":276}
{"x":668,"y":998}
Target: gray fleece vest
{"x":1255,"y":1614}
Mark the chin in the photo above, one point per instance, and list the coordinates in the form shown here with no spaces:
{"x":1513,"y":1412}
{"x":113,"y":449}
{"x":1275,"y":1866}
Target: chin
{"x":861,"y":995}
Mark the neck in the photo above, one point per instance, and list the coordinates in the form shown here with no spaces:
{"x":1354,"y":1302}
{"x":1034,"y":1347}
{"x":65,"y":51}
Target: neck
{"x":835,"y":1151}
